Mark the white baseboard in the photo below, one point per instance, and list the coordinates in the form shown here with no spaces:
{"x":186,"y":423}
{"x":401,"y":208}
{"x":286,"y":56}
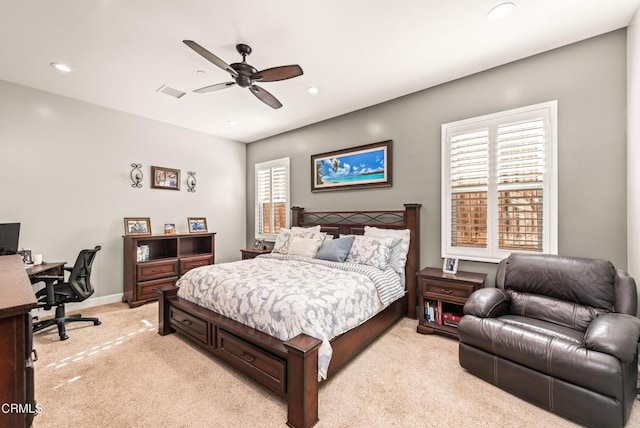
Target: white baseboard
{"x":89,"y":303}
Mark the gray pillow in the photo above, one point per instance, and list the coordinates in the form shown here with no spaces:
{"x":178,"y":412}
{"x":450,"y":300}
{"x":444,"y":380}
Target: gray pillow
{"x":335,"y":250}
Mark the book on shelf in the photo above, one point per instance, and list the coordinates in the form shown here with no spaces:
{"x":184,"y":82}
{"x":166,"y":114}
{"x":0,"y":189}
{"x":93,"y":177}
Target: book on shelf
{"x":454,"y":318}
{"x":450,"y":324}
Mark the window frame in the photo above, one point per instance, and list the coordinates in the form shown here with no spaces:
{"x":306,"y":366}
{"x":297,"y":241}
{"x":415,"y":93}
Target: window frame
{"x":276,"y":163}
{"x":492,"y":253}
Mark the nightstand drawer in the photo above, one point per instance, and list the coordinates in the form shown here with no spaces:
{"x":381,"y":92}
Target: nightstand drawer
{"x":156,"y":270}
{"x":447,"y":289}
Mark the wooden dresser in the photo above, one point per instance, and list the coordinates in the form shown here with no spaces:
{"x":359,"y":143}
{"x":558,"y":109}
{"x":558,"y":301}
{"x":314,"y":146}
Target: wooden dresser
{"x":17,"y":298}
{"x":164,"y":259}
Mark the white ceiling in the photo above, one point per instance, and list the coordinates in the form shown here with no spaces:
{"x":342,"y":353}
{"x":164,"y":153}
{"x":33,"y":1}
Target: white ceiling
{"x":358,"y":52}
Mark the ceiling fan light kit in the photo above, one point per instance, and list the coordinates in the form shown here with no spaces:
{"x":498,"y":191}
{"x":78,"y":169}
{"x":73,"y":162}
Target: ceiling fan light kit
{"x":245,"y":75}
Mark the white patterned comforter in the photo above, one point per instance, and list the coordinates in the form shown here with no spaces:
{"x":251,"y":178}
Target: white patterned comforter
{"x":284,"y":296}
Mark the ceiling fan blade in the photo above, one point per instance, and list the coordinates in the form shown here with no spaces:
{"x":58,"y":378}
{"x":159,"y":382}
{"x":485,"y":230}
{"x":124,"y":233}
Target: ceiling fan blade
{"x":277,"y":73}
{"x":210,"y":57}
{"x":215,"y":87}
{"x":265,"y":96}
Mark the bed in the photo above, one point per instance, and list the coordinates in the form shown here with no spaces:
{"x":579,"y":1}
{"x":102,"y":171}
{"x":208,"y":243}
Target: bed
{"x":291,"y":368}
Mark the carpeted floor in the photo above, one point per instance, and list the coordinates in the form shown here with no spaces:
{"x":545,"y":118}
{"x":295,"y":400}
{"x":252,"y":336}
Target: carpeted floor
{"x":123,"y":374}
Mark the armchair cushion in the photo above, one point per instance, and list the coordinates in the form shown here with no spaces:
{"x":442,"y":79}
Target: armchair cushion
{"x":614,"y":334}
{"x":487,"y":303}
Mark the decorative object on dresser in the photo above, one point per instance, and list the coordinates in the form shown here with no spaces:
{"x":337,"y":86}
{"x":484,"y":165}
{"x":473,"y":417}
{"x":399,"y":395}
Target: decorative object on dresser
{"x":155,"y":261}
{"x":559,"y":332}
{"x":354,"y":168}
{"x":165,"y":178}
{"x":441,"y":297}
{"x":250,"y":253}
{"x":137,"y":226}
{"x":291,"y":367}
{"x":197,"y":224}
{"x":16,"y":346}
{"x":450,"y":265}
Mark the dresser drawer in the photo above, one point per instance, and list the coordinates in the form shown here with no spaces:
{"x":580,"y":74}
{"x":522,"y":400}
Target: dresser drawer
{"x":156,"y":270}
{"x":194,"y":262}
{"x":194,"y":327}
{"x":264,"y":367}
{"x":443,"y":289}
{"x":147,"y":289}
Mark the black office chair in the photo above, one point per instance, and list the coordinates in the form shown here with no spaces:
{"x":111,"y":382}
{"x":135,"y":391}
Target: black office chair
{"x":58,"y":293}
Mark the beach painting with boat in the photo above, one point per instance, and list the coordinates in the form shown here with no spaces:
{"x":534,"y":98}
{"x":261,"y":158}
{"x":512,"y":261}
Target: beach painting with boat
{"x":362,"y":166}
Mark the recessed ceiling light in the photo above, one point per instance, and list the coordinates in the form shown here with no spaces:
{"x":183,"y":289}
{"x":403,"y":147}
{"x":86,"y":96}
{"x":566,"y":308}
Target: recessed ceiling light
{"x":313,"y":90}
{"x":232,"y":123}
{"x":501,"y":11}
{"x":60,"y":67}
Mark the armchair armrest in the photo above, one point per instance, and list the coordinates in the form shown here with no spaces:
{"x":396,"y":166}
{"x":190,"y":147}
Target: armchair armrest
{"x":487,"y":303}
{"x":614,"y":334}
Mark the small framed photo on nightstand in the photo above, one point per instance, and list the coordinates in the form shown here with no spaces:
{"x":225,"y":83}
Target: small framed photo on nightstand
{"x":450,"y":265}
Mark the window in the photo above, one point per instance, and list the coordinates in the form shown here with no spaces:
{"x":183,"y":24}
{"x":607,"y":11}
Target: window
{"x":272,"y":198}
{"x":499,"y":184}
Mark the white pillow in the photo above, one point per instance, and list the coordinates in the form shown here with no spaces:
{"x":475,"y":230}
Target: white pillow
{"x":307,"y":247}
{"x":371,"y":251}
{"x":398,"y":256}
{"x":284,"y":238}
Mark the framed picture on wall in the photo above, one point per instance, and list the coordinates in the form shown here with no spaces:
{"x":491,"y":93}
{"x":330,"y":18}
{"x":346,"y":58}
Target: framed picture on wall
{"x":165,"y":178}
{"x":197,"y":224}
{"x":137,"y":226}
{"x":353,"y":168}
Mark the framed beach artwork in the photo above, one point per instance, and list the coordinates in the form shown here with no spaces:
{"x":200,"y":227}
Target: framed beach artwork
{"x":353,"y":168}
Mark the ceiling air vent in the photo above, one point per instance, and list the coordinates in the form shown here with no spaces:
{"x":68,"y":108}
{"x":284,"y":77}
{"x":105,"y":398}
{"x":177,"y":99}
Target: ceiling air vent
{"x":170,"y":91}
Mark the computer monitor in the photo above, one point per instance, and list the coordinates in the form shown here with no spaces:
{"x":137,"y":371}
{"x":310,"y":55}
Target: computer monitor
{"x":9,"y":235}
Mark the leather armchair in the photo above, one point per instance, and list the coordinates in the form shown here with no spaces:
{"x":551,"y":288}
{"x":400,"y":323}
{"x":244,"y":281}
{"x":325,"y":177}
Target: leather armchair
{"x":559,"y":332}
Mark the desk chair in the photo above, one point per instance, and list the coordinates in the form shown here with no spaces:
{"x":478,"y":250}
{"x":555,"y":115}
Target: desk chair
{"x":58,"y":293}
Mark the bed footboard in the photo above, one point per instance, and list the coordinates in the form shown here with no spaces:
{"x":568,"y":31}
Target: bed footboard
{"x":289,"y":368}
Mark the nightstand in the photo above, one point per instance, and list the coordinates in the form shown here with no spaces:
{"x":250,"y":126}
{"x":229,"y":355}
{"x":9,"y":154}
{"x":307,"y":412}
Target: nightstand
{"x":250,"y":253}
{"x":441,"y":297}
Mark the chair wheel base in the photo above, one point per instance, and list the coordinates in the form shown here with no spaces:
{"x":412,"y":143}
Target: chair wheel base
{"x":97,"y":322}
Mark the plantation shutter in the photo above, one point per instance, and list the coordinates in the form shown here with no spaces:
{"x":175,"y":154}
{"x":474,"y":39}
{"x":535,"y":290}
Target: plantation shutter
{"x":272,"y":194}
{"x":469,"y":185}
{"x":500,"y":191}
{"x":520,"y":172}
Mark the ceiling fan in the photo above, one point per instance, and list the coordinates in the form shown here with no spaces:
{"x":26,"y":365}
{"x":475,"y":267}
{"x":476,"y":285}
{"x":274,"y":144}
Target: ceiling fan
{"x":245,"y":75}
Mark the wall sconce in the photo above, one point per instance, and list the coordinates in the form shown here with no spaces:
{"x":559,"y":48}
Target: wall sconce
{"x":191,"y":182}
{"x":136,"y":175}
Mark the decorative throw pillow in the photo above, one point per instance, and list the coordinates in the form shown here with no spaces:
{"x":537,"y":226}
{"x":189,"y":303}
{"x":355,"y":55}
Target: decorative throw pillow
{"x":371,"y":251}
{"x":335,"y":250}
{"x":284,"y":238}
{"x":306,"y":247}
{"x":398,"y":256}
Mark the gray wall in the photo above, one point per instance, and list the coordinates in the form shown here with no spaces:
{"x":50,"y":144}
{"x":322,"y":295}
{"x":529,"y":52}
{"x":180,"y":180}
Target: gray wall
{"x":633,"y":145}
{"x":587,"y":78}
{"x":64,"y":174}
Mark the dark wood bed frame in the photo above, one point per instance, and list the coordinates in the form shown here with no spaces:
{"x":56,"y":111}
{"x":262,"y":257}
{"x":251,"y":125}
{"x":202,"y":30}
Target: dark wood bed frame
{"x":290,"y":368}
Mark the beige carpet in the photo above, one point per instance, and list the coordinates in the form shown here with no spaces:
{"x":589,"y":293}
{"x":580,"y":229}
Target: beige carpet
{"x":123,"y":374}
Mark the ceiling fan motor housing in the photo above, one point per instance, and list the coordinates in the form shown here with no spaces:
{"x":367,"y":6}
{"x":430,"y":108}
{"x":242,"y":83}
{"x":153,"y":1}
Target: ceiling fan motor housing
{"x":244,"y":71}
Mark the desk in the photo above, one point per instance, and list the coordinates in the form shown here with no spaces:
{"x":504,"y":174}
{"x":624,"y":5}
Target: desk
{"x":49,"y":269}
